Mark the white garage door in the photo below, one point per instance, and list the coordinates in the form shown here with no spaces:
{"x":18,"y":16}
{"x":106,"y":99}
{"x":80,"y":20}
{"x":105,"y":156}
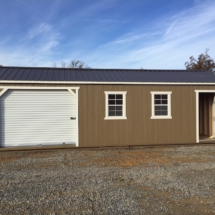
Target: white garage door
{"x":37,"y":117}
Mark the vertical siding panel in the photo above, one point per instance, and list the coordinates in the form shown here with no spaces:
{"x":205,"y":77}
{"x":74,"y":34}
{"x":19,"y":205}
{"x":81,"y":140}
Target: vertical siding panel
{"x":148,"y":113}
{"x":183,"y":103}
{"x":146,"y":121}
{"x":81,"y":116}
{"x":96,"y":113}
{"x":127,"y":124}
{"x":90,"y":116}
{"x":87,"y":112}
{"x":107,"y":131}
{"x":142,"y":119}
{"x":185,"y":113}
{"x":102,"y":122}
{"x":135,"y":114}
{"x":192,"y":134}
{"x":177,"y":119}
{"x":173,"y":126}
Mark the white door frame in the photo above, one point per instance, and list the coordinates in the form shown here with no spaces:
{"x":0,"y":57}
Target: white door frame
{"x":197,"y":110}
{"x":70,"y":89}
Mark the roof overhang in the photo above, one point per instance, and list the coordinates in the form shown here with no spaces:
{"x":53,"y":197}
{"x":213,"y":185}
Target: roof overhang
{"x":105,"y":83}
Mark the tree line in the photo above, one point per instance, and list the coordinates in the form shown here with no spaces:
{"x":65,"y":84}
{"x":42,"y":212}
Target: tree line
{"x":73,"y":64}
{"x":203,"y":62}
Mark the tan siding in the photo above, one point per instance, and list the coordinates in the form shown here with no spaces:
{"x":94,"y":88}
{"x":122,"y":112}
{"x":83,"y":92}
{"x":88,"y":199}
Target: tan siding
{"x":139,"y":128}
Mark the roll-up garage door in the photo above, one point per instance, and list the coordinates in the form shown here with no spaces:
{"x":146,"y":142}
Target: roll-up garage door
{"x":37,"y":117}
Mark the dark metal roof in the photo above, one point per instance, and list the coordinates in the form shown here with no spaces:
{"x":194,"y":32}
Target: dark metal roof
{"x":103,"y":75}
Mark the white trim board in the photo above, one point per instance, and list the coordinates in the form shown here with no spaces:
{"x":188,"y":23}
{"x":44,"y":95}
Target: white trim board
{"x":197,"y":110}
{"x":38,"y":88}
{"x":5,"y":88}
{"x":114,"y":83}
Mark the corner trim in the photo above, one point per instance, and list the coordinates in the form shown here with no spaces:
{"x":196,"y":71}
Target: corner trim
{"x":4,"y":90}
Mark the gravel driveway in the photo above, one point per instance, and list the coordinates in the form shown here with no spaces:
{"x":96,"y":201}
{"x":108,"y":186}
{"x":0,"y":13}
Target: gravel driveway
{"x":177,"y":180}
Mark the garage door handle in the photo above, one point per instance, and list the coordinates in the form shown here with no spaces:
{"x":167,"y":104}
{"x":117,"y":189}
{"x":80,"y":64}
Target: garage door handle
{"x":72,"y":118}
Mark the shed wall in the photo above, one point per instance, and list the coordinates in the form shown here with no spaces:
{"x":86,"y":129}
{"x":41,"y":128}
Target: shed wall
{"x":139,"y":128}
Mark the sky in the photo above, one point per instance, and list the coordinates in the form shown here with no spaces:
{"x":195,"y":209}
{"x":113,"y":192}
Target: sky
{"x":149,"y":34}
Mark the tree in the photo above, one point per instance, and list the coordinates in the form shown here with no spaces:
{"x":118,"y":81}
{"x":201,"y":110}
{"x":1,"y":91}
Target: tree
{"x":63,"y":64}
{"x":77,"y":64}
{"x":204,"y":62}
{"x":73,"y":64}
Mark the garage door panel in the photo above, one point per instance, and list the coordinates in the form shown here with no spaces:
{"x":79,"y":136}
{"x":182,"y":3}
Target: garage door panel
{"x":35,"y":117}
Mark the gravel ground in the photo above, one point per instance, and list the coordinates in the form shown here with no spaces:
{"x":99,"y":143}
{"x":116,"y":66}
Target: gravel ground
{"x":177,"y":180}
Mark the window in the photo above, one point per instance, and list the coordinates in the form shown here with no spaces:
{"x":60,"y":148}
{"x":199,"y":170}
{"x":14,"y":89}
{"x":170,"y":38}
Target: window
{"x":161,"y":105}
{"x":115,"y":105}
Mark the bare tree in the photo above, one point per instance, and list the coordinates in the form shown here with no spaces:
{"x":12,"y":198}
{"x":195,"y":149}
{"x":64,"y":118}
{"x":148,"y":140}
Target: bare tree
{"x":204,"y":62}
{"x":63,"y":64}
{"x":77,"y":64}
{"x":73,"y":64}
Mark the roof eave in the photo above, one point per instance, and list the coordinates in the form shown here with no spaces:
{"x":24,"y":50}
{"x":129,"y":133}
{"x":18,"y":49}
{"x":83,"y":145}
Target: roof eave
{"x":108,"y":83}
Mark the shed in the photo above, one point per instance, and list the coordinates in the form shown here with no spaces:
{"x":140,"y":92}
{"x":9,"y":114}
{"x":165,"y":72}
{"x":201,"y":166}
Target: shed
{"x":105,"y":107}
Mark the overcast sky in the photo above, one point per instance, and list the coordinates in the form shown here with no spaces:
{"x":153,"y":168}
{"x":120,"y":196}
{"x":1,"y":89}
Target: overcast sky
{"x":153,"y":34}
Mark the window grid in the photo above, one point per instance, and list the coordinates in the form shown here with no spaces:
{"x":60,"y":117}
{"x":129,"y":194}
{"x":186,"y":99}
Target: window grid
{"x":115,"y":105}
{"x":161,"y":105}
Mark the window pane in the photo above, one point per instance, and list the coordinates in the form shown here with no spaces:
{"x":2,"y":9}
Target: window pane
{"x":112,"y":113}
{"x":111,"y":102}
{"x":112,"y":107}
{"x":164,"y":102}
{"x":157,"y":108}
{"x":157,"y":113}
{"x":164,"y":108}
{"x":111,"y":96}
{"x":118,"y":113}
{"x":161,"y":113}
{"x":157,"y":102}
{"x":118,"y":96}
{"x":164,"y":96}
{"x":164,"y":113}
{"x":119,"y":102}
{"x":118,"y":107}
{"x":157,"y":96}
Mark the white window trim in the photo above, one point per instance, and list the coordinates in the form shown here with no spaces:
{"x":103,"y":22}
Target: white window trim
{"x":169,"y":116}
{"x":123,"y":106}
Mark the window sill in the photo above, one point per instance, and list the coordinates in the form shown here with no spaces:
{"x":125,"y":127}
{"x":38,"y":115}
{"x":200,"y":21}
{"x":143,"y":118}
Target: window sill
{"x":161,"y":117}
{"x":115,"y":118}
